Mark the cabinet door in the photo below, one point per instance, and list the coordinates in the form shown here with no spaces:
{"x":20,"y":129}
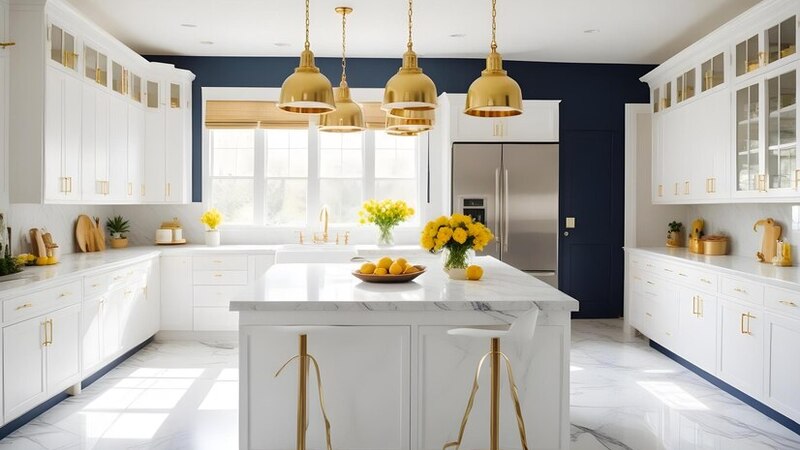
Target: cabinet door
{"x":23,"y":366}
{"x":365,"y":373}
{"x":55,"y":183}
{"x":109,"y":324}
{"x":91,"y":334}
{"x":135,"y":153}
{"x":697,"y":331}
{"x":175,"y":161}
{"x":73,"y":96}
{"x":781,"y":134}
{"x":741,"y":347}
{"x":712,"y":175}
{"x":135,"y":316}
{"x":94,"y":140}
{"x":782,"y":365}
{"x":657,"y":172}
{"x":176,"y":293}
{"x":155,"y":147}
{"x":118,"y":151}
{"x":63,"y":353}
{"x":749,"y":170}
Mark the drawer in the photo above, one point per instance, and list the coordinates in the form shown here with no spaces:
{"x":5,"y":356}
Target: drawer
{"x":219,"y":296}
{"x":96,"y":285}
{"x":228,"y":262}
{"x":215,"y":319}
{"x":699,"y":278}
{"x":41,"y":302}
{"x":220,"y":277}
{"x":782,"y":301}
{"x":742,"y":289}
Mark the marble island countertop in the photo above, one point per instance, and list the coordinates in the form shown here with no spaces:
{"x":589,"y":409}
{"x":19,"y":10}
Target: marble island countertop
{"x":332,"y":287}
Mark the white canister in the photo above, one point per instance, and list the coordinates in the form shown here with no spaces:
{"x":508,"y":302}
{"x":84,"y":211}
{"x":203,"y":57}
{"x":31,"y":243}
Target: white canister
{"x":177,"y":234}
{"x":163,"y":236}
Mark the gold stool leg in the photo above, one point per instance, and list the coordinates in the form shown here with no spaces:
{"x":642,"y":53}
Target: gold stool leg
{"x":305,"y":360}
{"x":494,"y":419}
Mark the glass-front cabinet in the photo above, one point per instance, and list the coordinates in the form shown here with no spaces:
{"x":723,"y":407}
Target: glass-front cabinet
{"x":713,"y":71}
{"x":748,"y":55}
{"x":749,"y":176}
{"x":781,"y":114}
{"x":685,"y":85}
{"x":777,"y":42}
{"x":119,"y":78}
{"x":152,"y":94}
{"x":781,"y":40}
{"x":95,"y":65}
{"x":136,"y":88}
{"x":174,"y":95}
{"x":63,"y":47}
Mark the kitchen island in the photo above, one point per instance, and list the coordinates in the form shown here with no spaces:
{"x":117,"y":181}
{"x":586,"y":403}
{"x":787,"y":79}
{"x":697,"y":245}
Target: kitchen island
{"x":393,"y":378}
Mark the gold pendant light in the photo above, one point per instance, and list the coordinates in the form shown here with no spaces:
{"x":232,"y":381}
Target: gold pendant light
{"x":494,"y":93}
{"x":348,"y":117}
{"x":307,"y":91}
{"x":412,"y":124}
{"x":409,"y":89}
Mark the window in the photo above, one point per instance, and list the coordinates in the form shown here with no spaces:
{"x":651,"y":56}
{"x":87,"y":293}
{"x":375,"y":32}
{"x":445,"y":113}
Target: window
{"x":282,"y":177}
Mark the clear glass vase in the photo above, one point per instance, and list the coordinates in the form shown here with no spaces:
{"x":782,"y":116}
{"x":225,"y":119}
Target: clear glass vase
{"x":456,"y":260}
{"x":385,"y":236}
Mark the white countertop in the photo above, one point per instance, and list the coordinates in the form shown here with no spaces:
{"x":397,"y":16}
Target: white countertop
{"x":788,"y":277}
{"x":332,"y":287}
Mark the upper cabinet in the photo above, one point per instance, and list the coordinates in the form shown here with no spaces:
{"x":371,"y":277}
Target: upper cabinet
{"x":537,"y":123}
{"x":725,"y":119}
{"x":79,"y":130}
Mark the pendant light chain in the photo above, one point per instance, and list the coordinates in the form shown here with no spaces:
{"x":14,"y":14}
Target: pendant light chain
{"x":344,"y":45}
{"x":308,"y":25}
{"x":410,"y":21}
{"x":494,"y":25}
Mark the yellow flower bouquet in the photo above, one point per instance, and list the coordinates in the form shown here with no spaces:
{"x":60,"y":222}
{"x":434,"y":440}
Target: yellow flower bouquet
{"x":211,"y":218}
{"x":457,"y":235}
{"x":386,"y":214}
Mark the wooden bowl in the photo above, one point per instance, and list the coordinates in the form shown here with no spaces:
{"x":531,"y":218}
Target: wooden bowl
{"x":402,"y":278}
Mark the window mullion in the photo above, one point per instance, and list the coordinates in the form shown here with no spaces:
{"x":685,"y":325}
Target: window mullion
{"x":260,"y":176}
{"x":369,"y":165}
{"x":313,"y":185}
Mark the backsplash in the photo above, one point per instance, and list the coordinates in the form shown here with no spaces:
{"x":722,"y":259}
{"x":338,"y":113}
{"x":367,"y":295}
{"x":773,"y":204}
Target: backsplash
{"x":736,"y":221}
{"x":59,"y":220}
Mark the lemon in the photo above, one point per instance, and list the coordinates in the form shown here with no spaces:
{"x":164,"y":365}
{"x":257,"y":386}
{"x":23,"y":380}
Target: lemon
{"x":30,"y":257}
{"x":402,"y":262}
{"x":396,"y":269}
{"x":52,"y":260}
{"x":385,"y":262}
{"x":410,"y":269}
{"x":367,"y":268}
{"x":381,"y":271}
{"x":474,"y":273}
{"x":42,"y":261}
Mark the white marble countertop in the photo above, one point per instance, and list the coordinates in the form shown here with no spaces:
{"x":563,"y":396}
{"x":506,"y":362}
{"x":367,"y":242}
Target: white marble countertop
{"x":788,"y":277}
{"x":200,"y":249}
{"x":72,"y":265}
{"x":332,"y":287}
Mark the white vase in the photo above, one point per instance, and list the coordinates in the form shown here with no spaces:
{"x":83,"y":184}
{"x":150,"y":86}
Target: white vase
{"x":456,"y":274}
{"x":212,"y":238}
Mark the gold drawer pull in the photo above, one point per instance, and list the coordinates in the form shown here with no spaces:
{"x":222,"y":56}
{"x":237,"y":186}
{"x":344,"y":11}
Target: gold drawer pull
{"x":740,"y":290}
{"x":705,"y":280}
{"x":95,"y":285}
{"x":648,"y":314}
{"x":788,"y":303}
{"x":65,"y":294}
{"x":651,"y":283}
{"x":668,"y":270}
{"x":682,"y":274}
{"x":217,"y":275}
{"x":26,"y":305}
{"x":7,"y":44}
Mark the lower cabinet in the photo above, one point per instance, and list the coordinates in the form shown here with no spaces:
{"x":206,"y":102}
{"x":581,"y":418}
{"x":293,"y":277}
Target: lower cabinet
{"x":176,"y":293}
{"x":367,"y":386}
{"x":782,"y":347}
{"x":40,"y":359}
{"x":697,"y":325}
{"x":741,"y":346}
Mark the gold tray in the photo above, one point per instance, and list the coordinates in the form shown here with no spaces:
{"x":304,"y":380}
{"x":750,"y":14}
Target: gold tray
{"x":402,"y":278}
{"x":178,"y":242}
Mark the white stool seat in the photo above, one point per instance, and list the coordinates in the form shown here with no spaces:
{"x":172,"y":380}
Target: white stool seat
{"x":482,"y":333}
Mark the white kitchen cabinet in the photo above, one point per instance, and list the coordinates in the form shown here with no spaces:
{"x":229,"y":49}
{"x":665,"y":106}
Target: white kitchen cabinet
{"x":91,"y":335}
{"x":23,"y":367}
{"x":63,"y":352}
{"x":741,"y":346}
{"x":697,"y":328}
{"x":62,"y":136}
{"x":110,"y":313}
{"x":118,"y":150}
{"x":4,"y":107}
{"x":95,"y":143}
{"x":782,"y":345}
{"x":539,"y":122}
{"x":154,"y":187}
{"x":176,"y":293}
{"x":135,"y":163}
{"x":367,"y":386}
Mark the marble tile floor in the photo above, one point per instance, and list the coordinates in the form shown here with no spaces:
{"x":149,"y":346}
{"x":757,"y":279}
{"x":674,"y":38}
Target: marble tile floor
{"x":183,"y":395}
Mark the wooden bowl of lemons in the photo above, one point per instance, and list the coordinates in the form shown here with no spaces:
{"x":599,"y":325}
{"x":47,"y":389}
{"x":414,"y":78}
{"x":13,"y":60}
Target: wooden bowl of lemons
{"x":387,"y":270}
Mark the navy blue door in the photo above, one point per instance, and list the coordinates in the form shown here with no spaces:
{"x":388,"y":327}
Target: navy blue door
{"x":590,"y":255}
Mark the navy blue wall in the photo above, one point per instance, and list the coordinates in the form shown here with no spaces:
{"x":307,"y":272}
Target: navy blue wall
{"x":593,"y":95}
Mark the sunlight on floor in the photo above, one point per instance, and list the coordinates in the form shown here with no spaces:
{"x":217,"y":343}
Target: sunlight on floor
{"x":672,"y":395}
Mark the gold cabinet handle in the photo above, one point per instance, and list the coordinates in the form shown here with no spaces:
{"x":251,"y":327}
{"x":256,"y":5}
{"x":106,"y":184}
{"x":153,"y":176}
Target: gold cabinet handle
{"x":676,"y":188}
{"x":7,"y":44}
{"x":705,"y":280}
{"x":788,"y":303}
{"x":64,"y":294}
{"x":668,"y":270}
{"x":746,"y":321}
{"x":130,"y":189}
{"x":217,"y":275}
{"x":796,"y":178}
{"x":50,"y":342}
{"x":648,"y":314}
{"x":681,"y":274}
{"x":686,"y":188}
{"x":740,"y":290}
{"x":660,"y":190}
{"x":741,"y":324}
{"x":651,"y":283}
{"x":44,"y":327}
{"x":694,"y":305}
{"x":25,"y":306}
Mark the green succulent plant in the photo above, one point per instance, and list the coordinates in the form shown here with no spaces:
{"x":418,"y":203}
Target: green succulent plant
{"x":118,"y":224}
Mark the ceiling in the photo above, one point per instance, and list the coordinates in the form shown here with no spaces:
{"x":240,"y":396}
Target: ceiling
{"x":600,"y":31}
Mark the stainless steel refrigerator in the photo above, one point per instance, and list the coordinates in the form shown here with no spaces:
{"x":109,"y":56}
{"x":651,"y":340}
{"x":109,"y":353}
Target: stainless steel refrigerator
{"x":513,"y":189}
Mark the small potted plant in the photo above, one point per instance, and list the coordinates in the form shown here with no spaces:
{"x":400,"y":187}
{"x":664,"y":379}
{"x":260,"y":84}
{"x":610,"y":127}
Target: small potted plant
{"x":212,"y":219}
{"x":118,"y":226}
{"x":674,"y":234}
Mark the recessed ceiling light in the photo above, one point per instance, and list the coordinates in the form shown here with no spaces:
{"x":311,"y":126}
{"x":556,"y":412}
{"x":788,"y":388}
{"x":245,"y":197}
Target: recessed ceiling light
{"x":591,"y":31}
{"x":189,"y":25}
{"x":457,"y":35}
{"x":207,"y":42}
{"x":282,"y":44}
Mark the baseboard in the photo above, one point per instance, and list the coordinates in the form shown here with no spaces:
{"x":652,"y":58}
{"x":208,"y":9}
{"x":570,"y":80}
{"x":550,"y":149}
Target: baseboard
{"x":757,"y":405}
{"x":207,"y":336}
{"x":15,"y":424}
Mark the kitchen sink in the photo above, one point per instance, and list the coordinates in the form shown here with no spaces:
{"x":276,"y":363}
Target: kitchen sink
{"x":315,"y":253}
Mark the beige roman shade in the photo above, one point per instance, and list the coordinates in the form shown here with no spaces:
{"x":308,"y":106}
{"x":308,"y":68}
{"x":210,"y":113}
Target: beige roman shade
{"x":246,"y":114}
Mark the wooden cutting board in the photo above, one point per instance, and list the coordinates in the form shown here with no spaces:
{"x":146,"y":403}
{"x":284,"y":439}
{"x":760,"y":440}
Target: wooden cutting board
{"x":83,"y":233}
{"x":37,"y":243}
{"x":99,"y":237}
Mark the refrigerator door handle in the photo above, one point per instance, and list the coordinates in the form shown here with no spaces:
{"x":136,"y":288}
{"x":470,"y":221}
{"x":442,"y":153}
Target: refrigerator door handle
{"x":498,"y":238}
{"x":505,"y":211}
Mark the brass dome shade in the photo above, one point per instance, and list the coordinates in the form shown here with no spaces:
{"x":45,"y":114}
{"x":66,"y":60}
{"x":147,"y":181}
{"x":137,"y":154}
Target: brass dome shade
{"x":307,"y":91}
{"x":348,"y":117}
{"x":414,"y":123}
{"x":409,"y":88}
{"x":494,"y":93}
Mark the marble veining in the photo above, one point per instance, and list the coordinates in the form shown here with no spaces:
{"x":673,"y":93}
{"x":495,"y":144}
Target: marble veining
{"x":332,"y":287}
{"x":625,"y":396}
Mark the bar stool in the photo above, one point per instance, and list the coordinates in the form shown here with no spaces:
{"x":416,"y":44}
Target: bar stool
{"x":304,"y":358}
{"x":521,"y":331}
